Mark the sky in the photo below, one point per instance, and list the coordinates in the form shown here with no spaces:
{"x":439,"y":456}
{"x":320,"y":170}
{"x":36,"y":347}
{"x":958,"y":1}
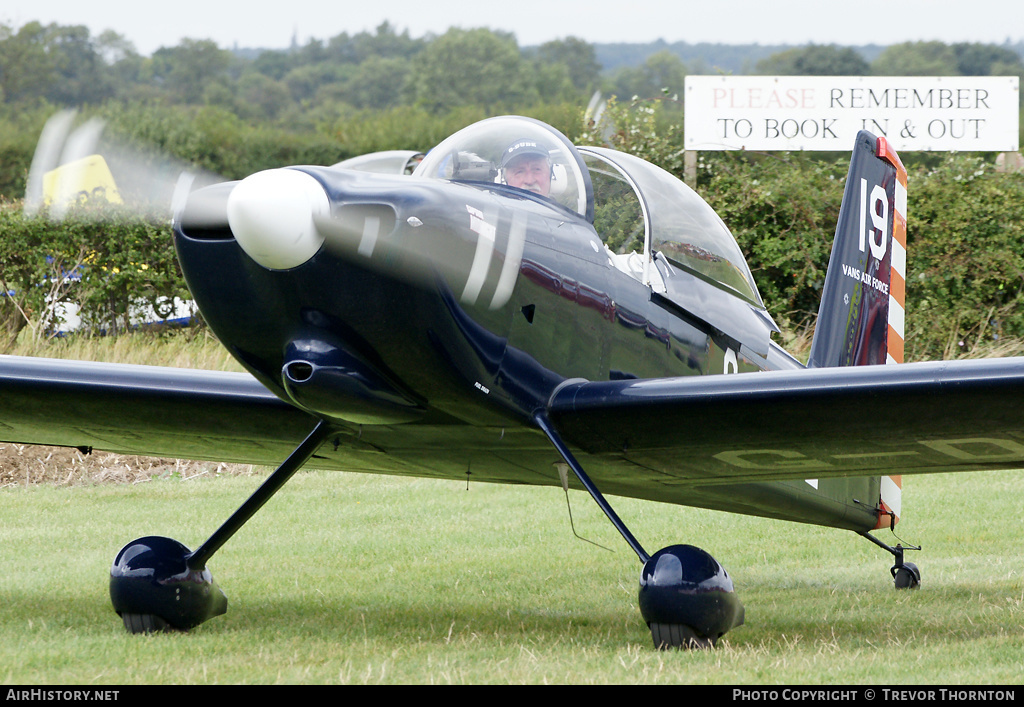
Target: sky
{"x":272,"y":24}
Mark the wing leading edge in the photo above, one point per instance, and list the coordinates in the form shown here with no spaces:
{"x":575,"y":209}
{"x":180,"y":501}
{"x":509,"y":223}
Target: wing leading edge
{"x":715,"y":441}
{"x":864,"y":420}
{"x":775,"y":425}
{"x":147,"y":410}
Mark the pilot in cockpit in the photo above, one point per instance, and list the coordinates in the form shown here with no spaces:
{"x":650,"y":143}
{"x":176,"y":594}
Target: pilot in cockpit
{"x":541,"y":161}
{"x":526,"y":164}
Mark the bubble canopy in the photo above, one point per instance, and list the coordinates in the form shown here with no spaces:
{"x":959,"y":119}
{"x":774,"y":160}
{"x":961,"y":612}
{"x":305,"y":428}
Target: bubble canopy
{"x":486,"y":152}
{"x":678,"y":223}
{"x":632,"y":204}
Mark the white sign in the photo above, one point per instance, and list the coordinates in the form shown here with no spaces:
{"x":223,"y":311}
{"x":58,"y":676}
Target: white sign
{"x":964,"y":113}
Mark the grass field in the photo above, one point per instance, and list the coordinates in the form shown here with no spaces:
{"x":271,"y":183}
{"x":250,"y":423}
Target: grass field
{"x":347,"y":578}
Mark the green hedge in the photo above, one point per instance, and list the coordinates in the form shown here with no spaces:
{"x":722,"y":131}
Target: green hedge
{"x":104,"y":261}
{"x":965,"y":231}
{"x":965,"y":241}
{"x":965,"y":285}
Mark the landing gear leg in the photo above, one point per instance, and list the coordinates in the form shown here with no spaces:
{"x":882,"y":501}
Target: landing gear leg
{"x":686,"y":597}
{"x":156,"y":584}
{"x":905,"y":575}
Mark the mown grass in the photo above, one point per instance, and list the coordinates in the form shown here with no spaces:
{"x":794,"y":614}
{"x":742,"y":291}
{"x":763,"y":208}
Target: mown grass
{"x":347,"y":578}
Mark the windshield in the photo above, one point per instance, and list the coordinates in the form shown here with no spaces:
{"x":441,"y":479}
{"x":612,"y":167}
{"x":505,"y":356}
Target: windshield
{"x":678,"y":223}
{"x":390,"y":162}
{"x":517,"y":152}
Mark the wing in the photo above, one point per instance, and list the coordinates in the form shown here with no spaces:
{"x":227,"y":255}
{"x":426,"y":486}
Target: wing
{"x":232,"y":417}
{"x":864,"y":420}
{"x":146,"y":410}
{"x":751,"y":443}
{"x":776,"y":425}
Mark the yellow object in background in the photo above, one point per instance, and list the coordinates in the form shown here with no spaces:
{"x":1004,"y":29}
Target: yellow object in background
{"x":80,"y":181}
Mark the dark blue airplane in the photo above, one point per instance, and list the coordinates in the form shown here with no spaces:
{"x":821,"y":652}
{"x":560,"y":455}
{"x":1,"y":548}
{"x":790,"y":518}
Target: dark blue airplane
{"x":522,"y":310}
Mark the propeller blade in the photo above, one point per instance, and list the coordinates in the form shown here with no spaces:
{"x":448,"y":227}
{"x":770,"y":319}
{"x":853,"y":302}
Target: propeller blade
{"x":73,"y":165}
{"x":46,"y":157}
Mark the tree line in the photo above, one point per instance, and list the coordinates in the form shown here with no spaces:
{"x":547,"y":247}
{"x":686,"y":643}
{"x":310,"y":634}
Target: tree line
{"x":235,"y":112}
{"x":66,"y":65}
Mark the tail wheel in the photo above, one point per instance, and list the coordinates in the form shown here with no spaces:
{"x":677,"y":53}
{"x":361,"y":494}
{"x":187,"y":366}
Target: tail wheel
{"x":907,"y":576}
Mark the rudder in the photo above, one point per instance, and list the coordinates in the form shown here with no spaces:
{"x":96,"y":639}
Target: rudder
{"x":861,"y":316}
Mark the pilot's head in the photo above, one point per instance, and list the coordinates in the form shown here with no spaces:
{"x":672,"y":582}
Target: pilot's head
{"x":526,"y":164}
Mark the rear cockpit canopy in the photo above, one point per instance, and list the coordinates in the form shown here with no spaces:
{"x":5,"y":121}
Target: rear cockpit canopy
{"x":639,"y":206}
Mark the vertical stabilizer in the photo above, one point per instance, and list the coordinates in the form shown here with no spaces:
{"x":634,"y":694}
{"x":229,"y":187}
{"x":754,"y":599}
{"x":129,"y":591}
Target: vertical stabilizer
{"x":860,"y":321}
{"x":861,"y":317}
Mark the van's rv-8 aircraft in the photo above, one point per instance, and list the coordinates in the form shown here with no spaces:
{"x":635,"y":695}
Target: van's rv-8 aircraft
{"x":590,"y":319}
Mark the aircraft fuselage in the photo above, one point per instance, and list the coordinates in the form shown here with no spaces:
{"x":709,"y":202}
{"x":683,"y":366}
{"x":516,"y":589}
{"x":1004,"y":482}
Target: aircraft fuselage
{"x":492,"y":347}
